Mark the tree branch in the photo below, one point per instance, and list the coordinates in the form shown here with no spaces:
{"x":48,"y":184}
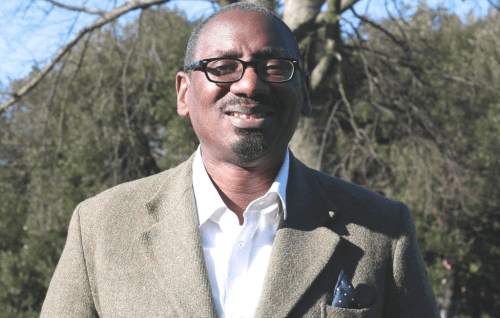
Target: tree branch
{"x":73,"y":8}
{"x":349,"y":110}
{"x":346,"y":4}
{"x":494,"y":5}
{"x":378,"y":27}
{"x":268,"y":4}
{"x":319,"y":20}
{"x":223,"y":3}
{"x":332,"y":45}
{"x":298,"y":12}
{"x":310,"y":26}
{"x":369,"y":76}
{"x":325,"y":134}
{"x":124,"y":80}
{"x":105,"y":18}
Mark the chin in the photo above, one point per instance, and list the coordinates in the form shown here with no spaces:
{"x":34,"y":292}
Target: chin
{"x":249,"y":149}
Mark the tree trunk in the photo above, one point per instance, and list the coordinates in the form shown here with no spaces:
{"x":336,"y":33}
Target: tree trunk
{"x":305,"y":144}
{"x":298,"y":12}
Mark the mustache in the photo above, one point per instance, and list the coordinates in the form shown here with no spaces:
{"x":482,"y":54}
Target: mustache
{"x":254,"y":102}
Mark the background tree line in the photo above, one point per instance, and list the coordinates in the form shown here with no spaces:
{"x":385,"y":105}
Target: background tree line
{"x":408,"y":106}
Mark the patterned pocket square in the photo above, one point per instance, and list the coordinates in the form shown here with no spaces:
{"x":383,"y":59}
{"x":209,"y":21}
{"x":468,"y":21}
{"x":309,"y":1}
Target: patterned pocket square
{"x":344,"y":295}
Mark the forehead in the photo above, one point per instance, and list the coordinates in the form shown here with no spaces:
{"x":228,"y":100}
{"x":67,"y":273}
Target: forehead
{"x":238,"y":32}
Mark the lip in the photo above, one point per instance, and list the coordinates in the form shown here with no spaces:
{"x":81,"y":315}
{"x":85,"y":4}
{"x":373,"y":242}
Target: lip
{"x":249,"y":117}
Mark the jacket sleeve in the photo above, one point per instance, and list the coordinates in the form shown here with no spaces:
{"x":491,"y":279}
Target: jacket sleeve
{"x":69,"y":293}
{"x":410,"y":292}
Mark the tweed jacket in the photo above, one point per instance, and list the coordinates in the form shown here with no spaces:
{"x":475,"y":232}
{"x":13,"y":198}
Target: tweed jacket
{"x":135,"y":251}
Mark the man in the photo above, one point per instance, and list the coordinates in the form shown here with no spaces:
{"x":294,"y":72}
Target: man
{"x":241,"y":229}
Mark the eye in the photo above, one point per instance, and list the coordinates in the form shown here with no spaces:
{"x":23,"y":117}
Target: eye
{"x":275,"y":67}
{"x":276,"y":70}
{"x":223,"y":67}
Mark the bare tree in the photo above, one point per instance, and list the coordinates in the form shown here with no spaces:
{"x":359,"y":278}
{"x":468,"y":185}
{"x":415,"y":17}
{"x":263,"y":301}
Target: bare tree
{"x":306,"y":18}
{"x":105,"y":17}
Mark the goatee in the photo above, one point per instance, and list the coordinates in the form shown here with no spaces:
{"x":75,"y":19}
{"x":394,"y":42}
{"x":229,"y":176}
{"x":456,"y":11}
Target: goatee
{"x":251,"y":146}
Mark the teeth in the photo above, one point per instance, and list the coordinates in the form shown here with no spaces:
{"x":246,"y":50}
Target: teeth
{"x":248,"y":116}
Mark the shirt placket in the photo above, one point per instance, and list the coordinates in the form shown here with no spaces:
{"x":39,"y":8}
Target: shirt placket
{"x":239,"y":260}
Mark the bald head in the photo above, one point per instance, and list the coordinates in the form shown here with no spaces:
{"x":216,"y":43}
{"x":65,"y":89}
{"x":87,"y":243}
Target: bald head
{"x":198,"y":33}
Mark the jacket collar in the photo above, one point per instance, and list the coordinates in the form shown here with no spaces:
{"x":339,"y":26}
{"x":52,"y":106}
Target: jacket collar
{"x":173,"y":245}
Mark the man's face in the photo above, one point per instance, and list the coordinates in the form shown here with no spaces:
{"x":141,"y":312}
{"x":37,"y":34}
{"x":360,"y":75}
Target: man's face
{"x":247,"y":121}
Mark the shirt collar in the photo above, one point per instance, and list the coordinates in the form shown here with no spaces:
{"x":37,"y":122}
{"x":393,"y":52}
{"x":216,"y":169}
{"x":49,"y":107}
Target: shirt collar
{"x":208,"y":200}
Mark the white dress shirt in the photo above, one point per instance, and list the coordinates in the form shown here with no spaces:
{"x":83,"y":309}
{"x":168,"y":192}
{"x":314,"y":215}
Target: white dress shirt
{"x":237,"y":256}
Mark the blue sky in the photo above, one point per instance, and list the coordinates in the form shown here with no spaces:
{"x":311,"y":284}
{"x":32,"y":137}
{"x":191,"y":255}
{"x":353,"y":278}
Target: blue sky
{"x":32,"y":35}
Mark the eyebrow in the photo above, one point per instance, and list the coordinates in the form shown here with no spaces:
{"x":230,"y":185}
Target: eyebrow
{"x":271,"y":52}
{"x":265,"y":52}
{"x":224,"y":53}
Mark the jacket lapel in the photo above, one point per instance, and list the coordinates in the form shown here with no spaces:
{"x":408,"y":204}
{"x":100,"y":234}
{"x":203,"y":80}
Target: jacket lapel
{"x":302,"y":248}
{"x":173,"y":245}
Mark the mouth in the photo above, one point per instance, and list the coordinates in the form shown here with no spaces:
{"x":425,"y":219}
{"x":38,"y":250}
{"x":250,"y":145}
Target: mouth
{"x":248,"y":118}
{"x":247,"y":115}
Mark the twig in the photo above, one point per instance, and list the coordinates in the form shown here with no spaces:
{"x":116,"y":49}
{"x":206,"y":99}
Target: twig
{"x":378,"y":27}
{"x":325,"y":133}
{"x":124,"y":79}
{"x":349,"y":110}
{"x":73,"y":8}
{"x":492,"y":3}
{"x":346,"y":4}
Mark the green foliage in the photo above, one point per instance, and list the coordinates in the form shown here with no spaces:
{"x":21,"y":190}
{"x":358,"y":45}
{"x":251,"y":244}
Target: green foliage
{"x":420,"y":123}
{"x":106,"y":115}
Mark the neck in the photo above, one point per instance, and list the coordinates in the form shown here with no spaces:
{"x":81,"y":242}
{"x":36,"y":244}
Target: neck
{"x":239,"y":186}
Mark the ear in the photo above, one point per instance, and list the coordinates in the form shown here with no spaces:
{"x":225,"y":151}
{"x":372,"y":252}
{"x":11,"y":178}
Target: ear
{"x":182,"y":88}
{"x":306,"y":100}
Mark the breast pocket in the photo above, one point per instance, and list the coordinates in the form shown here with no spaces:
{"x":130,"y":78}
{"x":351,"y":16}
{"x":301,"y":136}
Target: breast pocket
{"x":374,"y":311}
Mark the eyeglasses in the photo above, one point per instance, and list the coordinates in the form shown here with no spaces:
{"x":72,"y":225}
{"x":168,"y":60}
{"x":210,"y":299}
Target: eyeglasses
{"x":229,"y":70}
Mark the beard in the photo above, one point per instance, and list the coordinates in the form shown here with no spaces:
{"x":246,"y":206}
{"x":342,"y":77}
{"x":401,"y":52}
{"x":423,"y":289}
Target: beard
{"x":251,"y":146}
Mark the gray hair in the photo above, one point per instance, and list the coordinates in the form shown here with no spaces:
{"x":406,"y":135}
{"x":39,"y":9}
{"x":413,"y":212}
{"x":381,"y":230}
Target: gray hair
{"x":193,"y":39}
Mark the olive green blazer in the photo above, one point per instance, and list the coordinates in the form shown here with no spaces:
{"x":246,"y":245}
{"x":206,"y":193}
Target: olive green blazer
{"x":135,"y":251}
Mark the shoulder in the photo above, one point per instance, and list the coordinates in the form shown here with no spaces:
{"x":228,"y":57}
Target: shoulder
{"x":129,"y":199}
{"x":350,"y":194}
{"x":357,"y":205}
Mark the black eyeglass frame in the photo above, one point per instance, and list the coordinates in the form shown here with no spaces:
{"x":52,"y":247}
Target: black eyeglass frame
{"x":202,"y":64}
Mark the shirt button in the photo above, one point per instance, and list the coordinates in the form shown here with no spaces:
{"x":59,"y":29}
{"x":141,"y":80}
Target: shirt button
{"x":240,"y":244}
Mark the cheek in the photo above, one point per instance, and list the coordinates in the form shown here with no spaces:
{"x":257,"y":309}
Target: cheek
{"x":291,"y":99}
{"x":204,"y":119}
{"x":291,"y":91}
{"x":201,"y":123}
{"x":290,"y":96}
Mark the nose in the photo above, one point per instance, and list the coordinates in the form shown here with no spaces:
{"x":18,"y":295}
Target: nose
{"x":249,"y":84}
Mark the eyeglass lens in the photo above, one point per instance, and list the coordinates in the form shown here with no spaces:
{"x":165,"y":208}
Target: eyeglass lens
{"x":270,"y":70}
